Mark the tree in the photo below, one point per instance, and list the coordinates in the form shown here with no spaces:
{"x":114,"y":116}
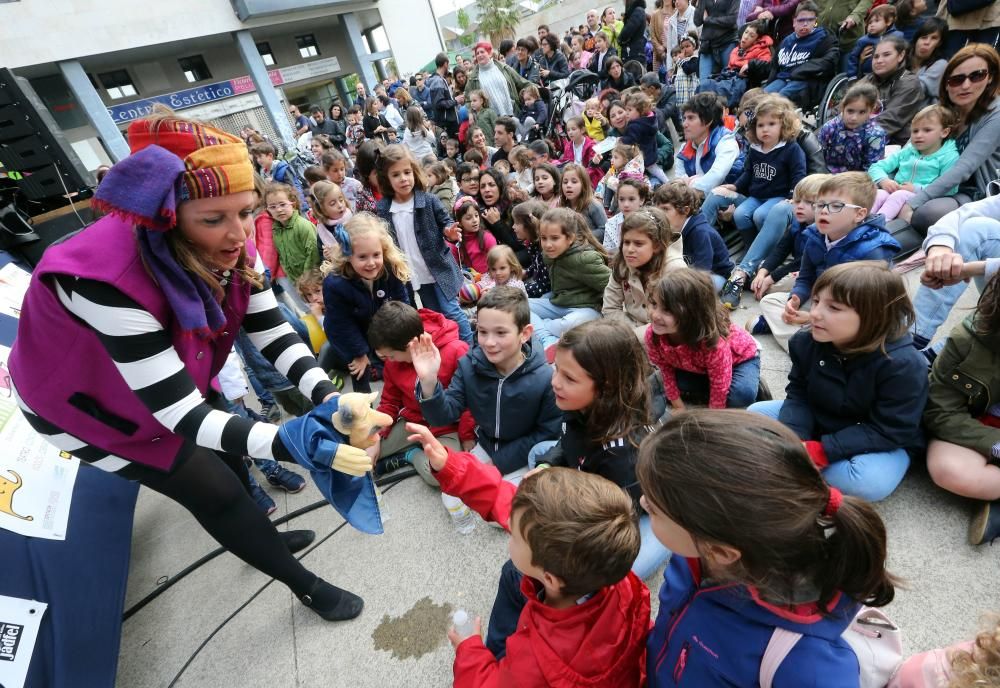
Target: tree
{"x":465,"y":23}
{"x":498,"y":19}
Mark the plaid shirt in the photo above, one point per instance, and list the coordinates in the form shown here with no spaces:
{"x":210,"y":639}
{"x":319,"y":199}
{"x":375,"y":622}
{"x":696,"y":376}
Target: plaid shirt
{"x":685,"y":85}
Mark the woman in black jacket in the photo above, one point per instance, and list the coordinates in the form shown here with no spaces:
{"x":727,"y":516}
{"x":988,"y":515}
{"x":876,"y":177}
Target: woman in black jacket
{"x":717,"y":19}
{"x":339,"y":136}
{"x":553,"y":65}
{"x":632,"y":37}
{"x":616,"y":76}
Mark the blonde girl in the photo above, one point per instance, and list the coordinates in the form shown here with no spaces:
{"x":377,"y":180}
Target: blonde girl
{"x":579,"y":272}
{"x":577,"y":194}
{"x":520,"y":161}
{"x":649,"y":248}
{"x":504,"y":269}
{"x":418,"y":135}
{"x":418,"y":222}
{"x":365,"y":271}
{"x":331,"y":210}
{"x":621,"y":155}
{"x":526,"y":220}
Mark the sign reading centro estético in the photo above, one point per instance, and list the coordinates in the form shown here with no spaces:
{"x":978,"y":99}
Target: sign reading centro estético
{"x":191,"y":97}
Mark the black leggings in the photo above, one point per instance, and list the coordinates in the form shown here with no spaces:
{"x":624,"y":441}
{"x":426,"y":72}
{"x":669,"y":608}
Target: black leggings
{"x":213,"y":487}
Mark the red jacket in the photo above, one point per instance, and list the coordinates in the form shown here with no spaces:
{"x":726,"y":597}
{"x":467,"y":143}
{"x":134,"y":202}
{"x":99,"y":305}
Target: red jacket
{"x":263,"y":239}
{"x":760,"y":50}
{"x":597,"y":644}
{"x":593,"y":171}
{"x":400,"y":379}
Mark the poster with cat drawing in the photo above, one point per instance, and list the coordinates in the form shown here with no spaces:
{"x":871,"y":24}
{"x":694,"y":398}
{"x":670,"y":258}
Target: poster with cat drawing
{"x":36,"y":479}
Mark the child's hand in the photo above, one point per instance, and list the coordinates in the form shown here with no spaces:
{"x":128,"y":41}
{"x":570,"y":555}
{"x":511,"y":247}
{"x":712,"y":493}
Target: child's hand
{"x":317,"y":310}
{"x":677,"y":404}
{"x":358,"y":365}
{"x":426,"y":361}
{"x":908,"y":187}
{"x":437,"y":455}
{"x":866,"y":53}
{"x":889,"y":185}
{"x":761,"y":283}
{"x":791,"y":311}
{"x":596,"y":160}
{"x":452,"y":233}
{"x":456,"y":639}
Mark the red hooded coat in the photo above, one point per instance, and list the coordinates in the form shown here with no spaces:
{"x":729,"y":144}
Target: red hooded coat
{"x":597,"y":644}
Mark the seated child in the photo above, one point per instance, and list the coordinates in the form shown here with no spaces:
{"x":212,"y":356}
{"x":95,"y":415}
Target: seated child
{"x":534,"y":115}
{"x":929,"y":153}
{"x":468,"y":180}
{"x":601,"y":381}
{"x":547,"y":182}
{"x":632,"y":195}
{"x":626,"y":163}
{"x":504,"y":269}
{"x":441,"y":183}
{"x":453,"y":150}
{"x":504,"y":382}
{"x":520,"y":162}
{"x":474,"y":241}
{"x":527,"y":218}
{"x":579,"y":273}
{"x":641,"y":130}
{"x":576,"y":192}
{"x":473,"y":157}
{"x":541,"y":151}
{"x":392,"y":328}
{"x":579,"y":149}
{"x":365,"y":271}
{"x":278,"y":171}
{"x":593,"y":121}
{"x":704,"y":247}
{"x":648,"y":250}
{"x":731,"y":83}
{"x":806,"y":56}
{"x":700,"y":353}
{"x":778,"y":270}
{"x":858,"y":386}
{"x":844,"y":231}
{"x":966,"y":664}
{"x":573,"y":539}
{"x":724,"y":491}
{"x":854,"y":140}
{"x":962,"y":416}
{"x":881,"y":22}
{"x":331,"y":211}
{"x":294,"y":236}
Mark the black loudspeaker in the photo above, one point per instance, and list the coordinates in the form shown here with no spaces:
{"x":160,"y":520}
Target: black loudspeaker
{"x":34,"y":154}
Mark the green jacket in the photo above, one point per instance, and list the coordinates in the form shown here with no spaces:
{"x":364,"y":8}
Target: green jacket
{"x":515,"y":82}
{"x":832,"y":14}
{"x":964,"y":383}
{"x":485,"y":119}
{"x":298,"y":249}
{"x":909,"y":165}
{"x":579,"y":278}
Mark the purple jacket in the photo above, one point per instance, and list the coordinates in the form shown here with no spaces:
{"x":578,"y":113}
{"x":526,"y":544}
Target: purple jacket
{"x":60,"y":367}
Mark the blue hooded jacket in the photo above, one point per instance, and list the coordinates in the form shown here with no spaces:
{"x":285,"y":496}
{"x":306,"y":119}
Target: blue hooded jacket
{"x":709,"y":634}
{"x":512,"y":413}
{"x":867,"y":241}
{"x":704,"y":248}
{"x":641,"y":132}
{"x":795,"y":51}
{"x":349,"y":307}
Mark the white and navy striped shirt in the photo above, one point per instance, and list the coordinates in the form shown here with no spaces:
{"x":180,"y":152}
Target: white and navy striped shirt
{"x":143,"y":352}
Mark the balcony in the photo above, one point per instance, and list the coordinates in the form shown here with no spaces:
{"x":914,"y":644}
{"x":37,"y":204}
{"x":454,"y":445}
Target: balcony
{"x":254,"y":9}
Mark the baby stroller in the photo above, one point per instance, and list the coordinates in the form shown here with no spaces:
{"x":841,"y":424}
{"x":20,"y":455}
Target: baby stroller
{"x":567,"y":100}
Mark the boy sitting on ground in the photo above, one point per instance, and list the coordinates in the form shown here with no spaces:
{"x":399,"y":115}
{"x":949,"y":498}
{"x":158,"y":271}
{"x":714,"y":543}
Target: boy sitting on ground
{"x":573,"y":541}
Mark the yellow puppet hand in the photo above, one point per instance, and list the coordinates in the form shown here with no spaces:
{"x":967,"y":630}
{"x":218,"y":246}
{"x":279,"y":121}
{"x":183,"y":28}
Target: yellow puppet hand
{"x":351,"y":460}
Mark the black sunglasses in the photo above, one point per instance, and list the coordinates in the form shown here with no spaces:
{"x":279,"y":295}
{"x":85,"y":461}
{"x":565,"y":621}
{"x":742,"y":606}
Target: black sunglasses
{"x":956,"y":80}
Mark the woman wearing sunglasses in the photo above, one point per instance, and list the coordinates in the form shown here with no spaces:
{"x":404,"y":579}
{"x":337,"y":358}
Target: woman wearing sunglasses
{"x":970,"y":86}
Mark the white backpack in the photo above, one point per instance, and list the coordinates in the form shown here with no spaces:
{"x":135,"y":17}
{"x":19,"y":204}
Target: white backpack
{"x":876,"y":641}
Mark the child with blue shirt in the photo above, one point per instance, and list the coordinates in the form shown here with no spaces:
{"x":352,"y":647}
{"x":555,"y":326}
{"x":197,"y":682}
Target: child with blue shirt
{"x":807,"y":56}
{"x":641,"y":131}
{"x":845,"y":231}
{"x":703,"y":247}
{"x":881,"y":23}
{"x":775,"y":164}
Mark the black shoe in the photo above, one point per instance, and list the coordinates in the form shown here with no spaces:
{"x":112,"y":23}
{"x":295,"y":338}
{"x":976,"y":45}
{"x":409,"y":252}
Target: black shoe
{"x":391,"y":464}
{"x":763,"y":391}
{"x":297,"y":540}
{"x":331,"y":602}
{"x":985,"y":526}
{"x":732,"y":291}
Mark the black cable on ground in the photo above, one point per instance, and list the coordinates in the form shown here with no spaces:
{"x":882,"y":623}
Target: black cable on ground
{"x":386,"y":481}
{"x":243,"y":606}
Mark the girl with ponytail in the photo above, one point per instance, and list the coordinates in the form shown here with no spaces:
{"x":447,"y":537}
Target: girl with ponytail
{"x":760,"y":541}
{"x":364,"y":271}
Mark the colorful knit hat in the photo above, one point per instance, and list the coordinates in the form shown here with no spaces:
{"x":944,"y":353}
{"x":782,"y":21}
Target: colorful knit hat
{"x":174,"y":161}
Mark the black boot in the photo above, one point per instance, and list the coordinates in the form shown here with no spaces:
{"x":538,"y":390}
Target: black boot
{"x":332,"y":603}
{"x":297,"y":540}
{"x":985,"y":526}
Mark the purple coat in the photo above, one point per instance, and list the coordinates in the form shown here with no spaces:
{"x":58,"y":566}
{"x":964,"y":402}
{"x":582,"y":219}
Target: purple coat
{"x":56,"y":357}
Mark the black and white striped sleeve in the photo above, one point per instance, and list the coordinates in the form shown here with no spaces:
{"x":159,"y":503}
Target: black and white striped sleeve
{"x":145,"y":356}
{"x":274,"y":337}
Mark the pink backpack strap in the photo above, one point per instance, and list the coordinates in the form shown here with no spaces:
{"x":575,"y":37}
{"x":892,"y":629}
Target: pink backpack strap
{"x":781,"y":643}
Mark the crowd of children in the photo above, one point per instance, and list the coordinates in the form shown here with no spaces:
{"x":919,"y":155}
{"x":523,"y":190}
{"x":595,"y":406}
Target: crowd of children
{"x":597,"y":287}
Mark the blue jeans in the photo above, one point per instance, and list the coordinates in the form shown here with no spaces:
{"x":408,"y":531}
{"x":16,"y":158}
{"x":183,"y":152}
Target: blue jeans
{"x":792,"y":90}
{"x":551,"y":321}
{"x":539,"y":450}
{"x":712,"y":60}
{"x":433,"y":298}
{"x":506,"y":610}
{"x":652,"y":553}
{"x":742,"y":390}
{"x":978,"y":239}
{"x":771,"y":231}
{"x":870,"y":476}
{"x":714,"y":203}
{"x":750,"y":214}
{"x":265,"y":373}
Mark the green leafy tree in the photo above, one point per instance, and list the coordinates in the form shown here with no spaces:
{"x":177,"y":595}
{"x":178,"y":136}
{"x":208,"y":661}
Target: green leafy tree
{"x":464,"y":23}
{"x":498,"y":19}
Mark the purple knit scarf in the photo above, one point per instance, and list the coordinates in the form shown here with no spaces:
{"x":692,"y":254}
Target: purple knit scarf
{"x":143,"y":188}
